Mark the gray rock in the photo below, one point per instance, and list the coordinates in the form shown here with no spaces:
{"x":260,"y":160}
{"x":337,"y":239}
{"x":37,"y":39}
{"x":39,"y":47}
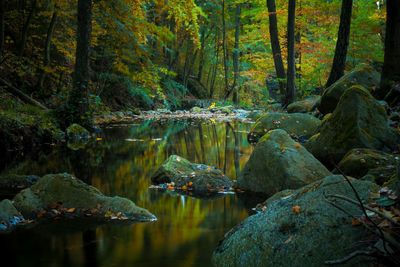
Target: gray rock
{"x":362,"y":74}
{"x":303,"y":106}
{"x":278,"y":163}
{"x":299,"y":124}
{"x":279,"y":236}
{"x":198,"y":178}
{"x":71,"y":192}
{"x":358,"y":121}
{"x":9,"y":216}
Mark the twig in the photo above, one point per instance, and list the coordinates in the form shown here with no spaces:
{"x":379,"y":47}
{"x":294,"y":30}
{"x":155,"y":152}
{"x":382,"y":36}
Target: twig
{"x":350,"y":256}
{"x":366,"y":207}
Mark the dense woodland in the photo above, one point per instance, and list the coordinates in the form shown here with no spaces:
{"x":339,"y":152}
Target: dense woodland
{"x":155,"y":53}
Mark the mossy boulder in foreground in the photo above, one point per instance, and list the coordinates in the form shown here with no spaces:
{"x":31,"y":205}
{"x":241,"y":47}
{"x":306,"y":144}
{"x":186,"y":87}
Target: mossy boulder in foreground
{"x":299,"y":124}
{"x":363,"y":75}
{"x":279,"y":163}
{"x":358,"y":121}
{"x":199,"y":178}
{"x":9,"y":216}
{"x":72,"y":193}
{"x":306,"y":235}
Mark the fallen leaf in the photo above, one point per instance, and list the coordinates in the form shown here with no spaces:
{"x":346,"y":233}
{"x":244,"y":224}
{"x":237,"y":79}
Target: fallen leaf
{"x":297,"y":145}
{"x":190,"y":183}
{"x":184,"y":187}
{"x":296,"y":209}
{"x":208,"y":169}
{"x":41,"y":213}
{"x":71,"y":210}
{"x":170,"y":187}
{"x":289,"y":239}
{"x":37,"y":192}
{"x":178,"y":159}
{"x":123,"y":218}
{"x":355,"y":222}
{"x":99,"y":139}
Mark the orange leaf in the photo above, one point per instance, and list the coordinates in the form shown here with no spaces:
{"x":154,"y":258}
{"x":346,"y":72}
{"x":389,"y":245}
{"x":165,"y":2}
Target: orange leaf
{"x":41,"y":213}
{"x":170,"y":187}
{"x":190,"y":183}
{"x":355,"y":222}
{"x":184,"y":187}
{"x":99,"y":139}
{"x":297,"y":145}
{"x":289,"y":239}
{"x":283,"y":118}
{"x":208,"y":169}
{"x":71,"y":210}
{"x":296,"y":209}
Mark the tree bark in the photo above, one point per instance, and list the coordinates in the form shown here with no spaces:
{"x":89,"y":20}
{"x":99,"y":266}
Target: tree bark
{"x":224,"y":47}
{"x":78,"y":100}
{"x":339,"y":60}
{"x":291,"y":68}
{"x":236,"y":64}
{"x":276,"y":48}
{"x":25,"y":29}
{"x":2,"y":25}
{"x":47,"y":48}
{"x":390,"y":79}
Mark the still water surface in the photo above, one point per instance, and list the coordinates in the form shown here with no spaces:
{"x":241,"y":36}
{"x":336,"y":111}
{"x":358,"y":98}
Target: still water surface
{"x":121,"y":163}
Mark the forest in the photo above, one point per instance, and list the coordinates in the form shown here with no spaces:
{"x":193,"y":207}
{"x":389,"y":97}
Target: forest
{"x":198,"y":133}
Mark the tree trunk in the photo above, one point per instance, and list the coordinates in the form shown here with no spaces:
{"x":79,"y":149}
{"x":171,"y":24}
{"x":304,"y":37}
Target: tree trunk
{"x":224,"y":46}
{"x":291,"y":68}
{"x":25,"y":29}
{"x":236,"y":66}
{"x":276,"y":48}
{"x":339,"y":60}
{"x":2,"y":25}
{"x":78,"y":100}
{"x":46,"y":61}
{"x":201,"y":60}
{"x":390,"y":79}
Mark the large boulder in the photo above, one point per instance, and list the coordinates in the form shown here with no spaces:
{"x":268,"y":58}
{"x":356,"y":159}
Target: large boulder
{"x":359,"y":161}
{"x":362,"y":74}
{"x":9,"y":216}
{"x":358,"y":121}
{"x":198,"y":178}
{"x":278,"y":163}
{"x":79,"y":198}
{"x":298,"y":124}
{"x":303,"y":106}
{"x":298,"y":229}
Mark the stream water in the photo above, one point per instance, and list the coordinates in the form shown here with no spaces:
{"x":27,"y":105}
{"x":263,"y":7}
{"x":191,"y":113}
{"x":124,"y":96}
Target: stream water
{"x":120,"y":161}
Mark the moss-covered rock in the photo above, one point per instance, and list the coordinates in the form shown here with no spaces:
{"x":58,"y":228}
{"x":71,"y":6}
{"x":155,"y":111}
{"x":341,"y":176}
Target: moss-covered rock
{"x":256,"y":114}
{"x":223,"y":109}
{"x":278,"y":163}
{"x":306,"y":236}
{"x":75,"y":132}
{"x":9,"y":216}
{"x":196,"y":110}
{"x":362,"y":74}
{"x":299,"y":124}
{"x":70,"y":192}
{"x":357,"y":162}
{"x":303,"y":106}
{"x":357,"y":122}
{"x":199,"y":178}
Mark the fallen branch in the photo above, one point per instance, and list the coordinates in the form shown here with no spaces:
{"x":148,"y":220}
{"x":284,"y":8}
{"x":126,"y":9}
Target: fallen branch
{"x":24,"y":97}
{"x":366,"y":207}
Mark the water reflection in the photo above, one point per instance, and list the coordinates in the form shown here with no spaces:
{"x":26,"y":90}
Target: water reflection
{"x":121,"y":163}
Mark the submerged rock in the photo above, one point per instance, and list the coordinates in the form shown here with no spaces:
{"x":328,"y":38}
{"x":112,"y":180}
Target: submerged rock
{"x":299,"y":229}
{"x":358,"y":121}
{"x":9,"y":216}
{"x":75,"y":132}
{"x":74,"y":195}
{"x":303,"y":106}
{"x":198,"y":178}
{"x":363,"y":75}
{"x":278,"y":163}
{"x":299,"y":124}
{"x":359,"y":161}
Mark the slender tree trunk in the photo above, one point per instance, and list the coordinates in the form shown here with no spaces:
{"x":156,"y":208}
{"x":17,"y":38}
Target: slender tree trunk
{"x":291,"y":68}
{"x":276,"y":48}
{"x":78,"y":100}
{"x":201,"y":60}
{"x":2,"y":25}
{"x":224,"y":46}
{"x":339,"y":60}
{"x":236,"y":64}
{"x":390,"y":79}
{"x":47,"y":48}
{"x":25,"y":29}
